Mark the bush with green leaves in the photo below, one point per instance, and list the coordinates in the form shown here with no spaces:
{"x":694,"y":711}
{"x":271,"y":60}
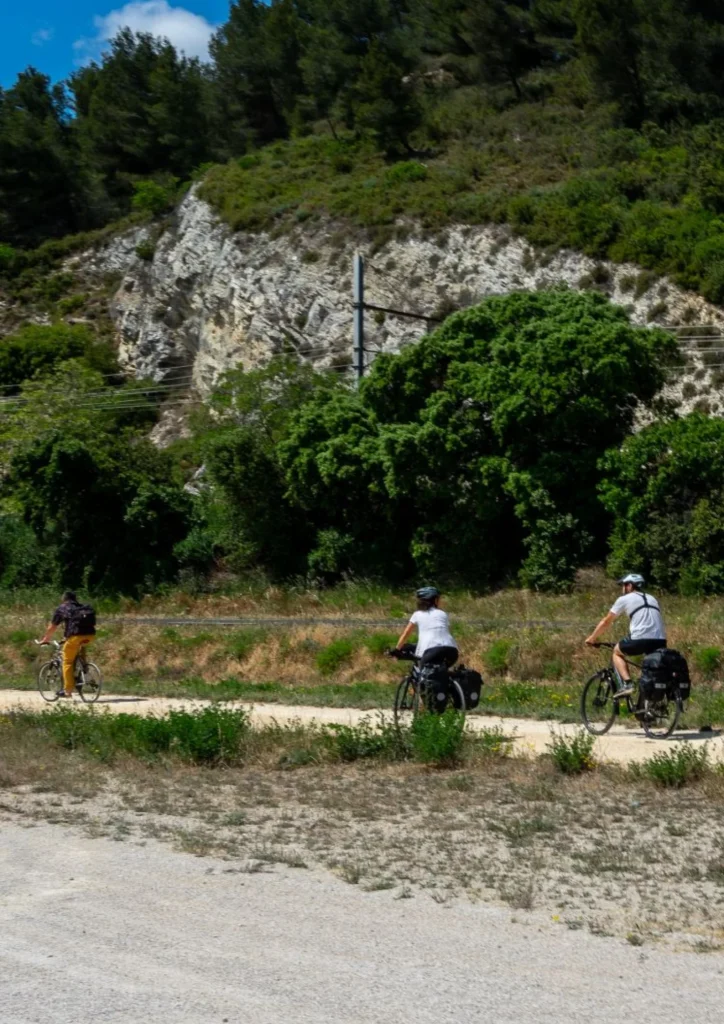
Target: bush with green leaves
{"x":105,"y":506}
{"x":357,"y":742}
{"x":572,"y":755}
{"x":37,"y":348}
{"x":154,"y":197}
{"x":675,"y":768}
{"x":455,"y":458}
{"x":438,"y":739}
{"x":663,"y":488}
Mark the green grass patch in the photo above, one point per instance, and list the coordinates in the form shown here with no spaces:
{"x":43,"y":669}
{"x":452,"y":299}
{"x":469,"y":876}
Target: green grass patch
{"x":332,"y":657}
{"x":212,"y":735}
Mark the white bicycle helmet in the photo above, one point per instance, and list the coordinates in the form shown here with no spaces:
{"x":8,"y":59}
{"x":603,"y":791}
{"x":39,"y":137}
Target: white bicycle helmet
{"x":634,"y":578}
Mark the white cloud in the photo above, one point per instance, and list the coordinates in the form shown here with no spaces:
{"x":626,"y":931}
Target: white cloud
{"x":187,"y":31}
{"x":42,"y":36}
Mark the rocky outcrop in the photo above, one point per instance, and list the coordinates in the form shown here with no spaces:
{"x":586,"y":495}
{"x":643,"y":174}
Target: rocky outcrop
{"x":209,"y":299}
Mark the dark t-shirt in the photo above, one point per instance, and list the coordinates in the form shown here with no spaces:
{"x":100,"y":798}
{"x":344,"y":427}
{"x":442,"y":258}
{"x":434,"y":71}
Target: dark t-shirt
{"x":64,"y":615}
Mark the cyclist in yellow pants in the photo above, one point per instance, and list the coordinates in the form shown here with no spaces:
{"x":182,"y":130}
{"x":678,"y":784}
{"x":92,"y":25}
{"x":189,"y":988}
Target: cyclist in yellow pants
{"x":79,"y":621}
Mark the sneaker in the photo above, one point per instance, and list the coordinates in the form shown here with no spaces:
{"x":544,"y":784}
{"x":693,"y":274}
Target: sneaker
{"x":62,"y":693}
{"x":625,"y":690}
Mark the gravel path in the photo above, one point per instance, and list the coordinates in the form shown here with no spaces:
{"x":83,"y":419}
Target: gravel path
{"x":92,"y":929}
{"x":531,"y":736}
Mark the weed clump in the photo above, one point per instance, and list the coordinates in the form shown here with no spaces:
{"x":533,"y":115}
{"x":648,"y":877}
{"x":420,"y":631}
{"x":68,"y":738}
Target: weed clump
{"x":334,"y":655}
{"x":356,"y":742}
{"x":572,"y":755}
{"x":497,"y":657}
{"x":438,"y":739}
{"x":673,"y":769}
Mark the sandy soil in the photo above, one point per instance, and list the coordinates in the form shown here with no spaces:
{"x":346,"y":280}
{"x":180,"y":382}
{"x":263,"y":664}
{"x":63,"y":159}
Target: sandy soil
{"x":531,"y":736}
{"x":92,"y":929}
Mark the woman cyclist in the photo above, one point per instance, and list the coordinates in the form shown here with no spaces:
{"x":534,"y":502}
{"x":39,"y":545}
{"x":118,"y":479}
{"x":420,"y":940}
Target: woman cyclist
{"x":435,"y":643}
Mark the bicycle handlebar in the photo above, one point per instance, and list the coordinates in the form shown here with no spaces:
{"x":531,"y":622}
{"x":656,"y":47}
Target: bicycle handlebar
{"x":602,"y":643}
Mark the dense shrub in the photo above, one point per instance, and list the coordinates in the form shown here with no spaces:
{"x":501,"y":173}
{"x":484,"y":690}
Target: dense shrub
{"x":673,"y":769}
{"x":664,"y":489}
{"x":38,"y":348}
{"x":572,"y":755}
{"x":438,"y":739}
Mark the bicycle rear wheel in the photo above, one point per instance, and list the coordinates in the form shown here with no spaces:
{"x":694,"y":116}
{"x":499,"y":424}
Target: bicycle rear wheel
{"x":457,"y":696}
{"x":598,"y":708}
{"x":659,"y":719}
{"x":89,"y":682}
{"x":407,"y":702}
{"x":50,"y":680}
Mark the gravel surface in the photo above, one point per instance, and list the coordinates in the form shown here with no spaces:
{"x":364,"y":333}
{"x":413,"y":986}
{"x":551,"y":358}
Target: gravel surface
{"x":96,"y":930}
{"x":531,"y":736}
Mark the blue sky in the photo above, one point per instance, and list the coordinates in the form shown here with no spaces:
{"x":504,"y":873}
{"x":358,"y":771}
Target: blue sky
{"x":57,"y":37}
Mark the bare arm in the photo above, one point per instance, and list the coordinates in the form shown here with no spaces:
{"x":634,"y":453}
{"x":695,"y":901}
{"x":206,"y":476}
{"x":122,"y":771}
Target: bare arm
{"x":405,"y":633}
{"x":601,"y":627}
{"x":49,"y":630}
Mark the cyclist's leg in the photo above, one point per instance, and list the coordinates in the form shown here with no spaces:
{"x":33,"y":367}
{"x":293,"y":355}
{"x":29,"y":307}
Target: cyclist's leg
{"x":619,"y":663}
{"x":70,"y":652}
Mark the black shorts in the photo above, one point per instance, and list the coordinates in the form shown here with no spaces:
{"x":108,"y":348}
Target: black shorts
{"x":643,"y":646}
{"x":440,"y":656}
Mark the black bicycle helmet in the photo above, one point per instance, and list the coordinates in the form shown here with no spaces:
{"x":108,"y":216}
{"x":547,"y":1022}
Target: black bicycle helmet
{"x":427,"y":593}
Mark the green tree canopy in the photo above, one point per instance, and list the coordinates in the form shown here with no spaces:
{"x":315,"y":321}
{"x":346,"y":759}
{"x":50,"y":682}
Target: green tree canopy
{"x":664,"y":488}
{"x":477,"y":449}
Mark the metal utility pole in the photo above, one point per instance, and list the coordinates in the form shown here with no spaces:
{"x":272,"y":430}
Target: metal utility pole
{"x":359,"y":316}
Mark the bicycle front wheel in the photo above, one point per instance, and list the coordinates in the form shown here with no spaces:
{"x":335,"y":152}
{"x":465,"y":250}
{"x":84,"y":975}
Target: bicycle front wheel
{"x":660,"y":719}
{"x":598,"y":708}
{"x":50,"y":680}
{"x":407,"y":702}
{"x":90,"y":682}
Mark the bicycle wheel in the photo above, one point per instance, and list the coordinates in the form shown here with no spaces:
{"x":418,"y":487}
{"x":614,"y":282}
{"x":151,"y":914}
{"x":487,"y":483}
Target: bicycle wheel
{"x":50,"y":680}
{"x":457,"y":696}
{"x":659,"y":719}
{"x":598,"y":708}
{"x":89,"y":682}
{"x":407,"y":702}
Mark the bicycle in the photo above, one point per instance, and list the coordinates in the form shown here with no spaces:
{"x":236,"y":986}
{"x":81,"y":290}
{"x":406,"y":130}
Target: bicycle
{"x":600,"y":706}
{"x":88,"y":678}
{"x":410,"y":696}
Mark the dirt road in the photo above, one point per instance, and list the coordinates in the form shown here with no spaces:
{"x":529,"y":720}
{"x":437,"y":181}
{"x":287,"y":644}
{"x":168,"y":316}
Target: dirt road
{"x":92,"y":929}
{"x":530,"y":736}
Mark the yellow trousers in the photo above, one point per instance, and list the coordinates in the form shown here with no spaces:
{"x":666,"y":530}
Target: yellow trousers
{"x":71,"y":649}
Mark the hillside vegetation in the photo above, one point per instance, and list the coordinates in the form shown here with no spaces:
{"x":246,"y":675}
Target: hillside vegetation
{"x":501,"y":449}
{"x":582,"y":123}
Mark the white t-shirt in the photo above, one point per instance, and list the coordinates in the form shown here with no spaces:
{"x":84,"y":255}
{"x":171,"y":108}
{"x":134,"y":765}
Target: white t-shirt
{"x":647,"y":624}
{"x":433,"y":630}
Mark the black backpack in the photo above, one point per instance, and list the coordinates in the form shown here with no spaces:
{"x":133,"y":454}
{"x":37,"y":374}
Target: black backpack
{"x":471,"y":683}
{"x":83,"y":619}
{"x":665,"y":675}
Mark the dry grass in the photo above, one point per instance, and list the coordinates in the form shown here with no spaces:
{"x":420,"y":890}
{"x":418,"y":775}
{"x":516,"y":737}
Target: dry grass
{"x":600,"y":851}
{"x":513,"y":637}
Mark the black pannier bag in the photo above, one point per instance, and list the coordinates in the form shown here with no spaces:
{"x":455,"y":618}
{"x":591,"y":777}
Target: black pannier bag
{"x":435,"y":687}
{"x":471,"y":683}
{"x":678,"y":670}
{"x":664,"y":674}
